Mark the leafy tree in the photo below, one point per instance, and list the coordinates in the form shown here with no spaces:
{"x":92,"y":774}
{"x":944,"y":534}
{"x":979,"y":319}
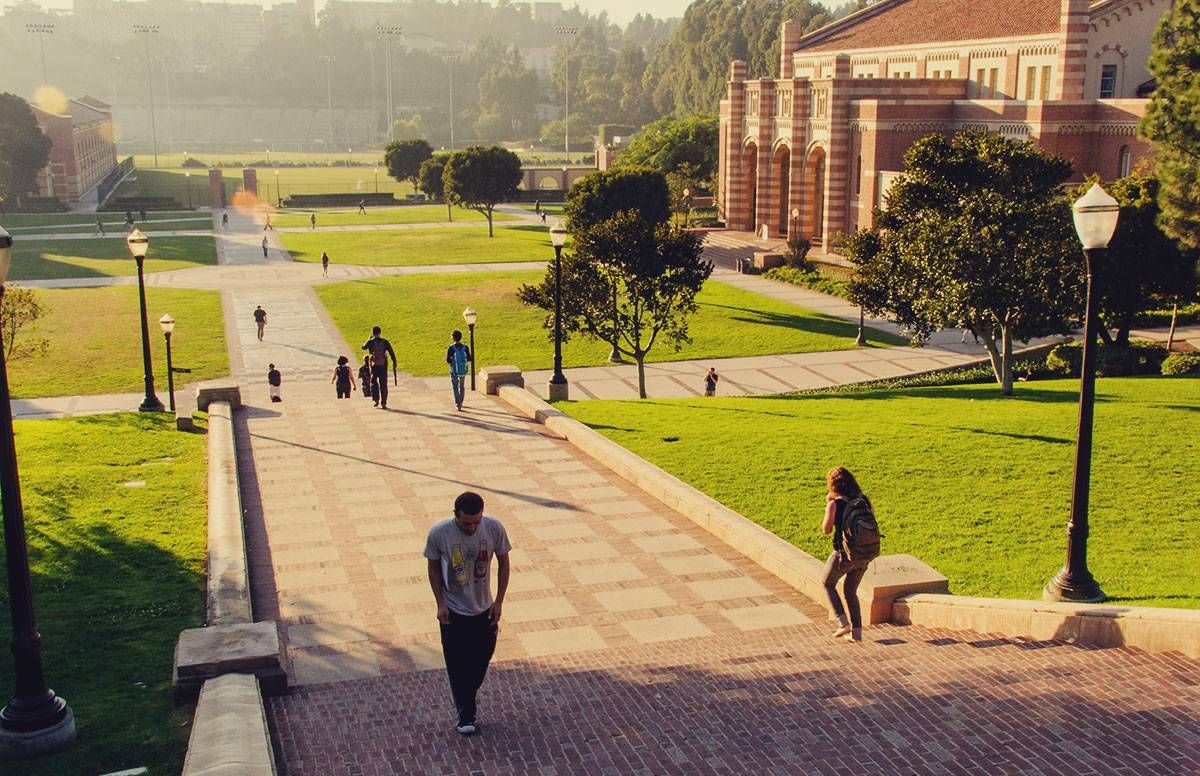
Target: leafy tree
{"x":1142,"y":266}
{"x":1172,"y":120}
{"x":481,"y":178}
{"x":409,"y":129}
{"x":976,"y":232}
{"x":22,"y":307}
{"x":668,"y":144}
{"x":508,"y":95}
{"x":430,"y":181}
{"x":628,"y":282}
{"x":601,"y":195}
{"x":24,"y":150}
{"x":404,"y":158}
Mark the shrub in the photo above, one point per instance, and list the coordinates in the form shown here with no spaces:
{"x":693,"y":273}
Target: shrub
{"x":813,"y":279}
{"x":192,"y":161}
{"x":1189,"y":315}
{"x":1181,"y":364}
{"x":972,"y":374}
{"x":35,"y":205}
{"x":1139,"y":358}
{"x":797,"y":254}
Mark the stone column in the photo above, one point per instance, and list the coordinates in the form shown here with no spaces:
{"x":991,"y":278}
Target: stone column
{"x":1072,"y":51}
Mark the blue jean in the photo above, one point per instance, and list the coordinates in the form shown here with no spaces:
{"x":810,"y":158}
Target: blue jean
{"x":458,"y":386}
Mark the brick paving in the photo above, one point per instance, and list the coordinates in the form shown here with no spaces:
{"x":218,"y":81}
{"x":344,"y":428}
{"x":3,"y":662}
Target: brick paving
{"x":632,"y":642}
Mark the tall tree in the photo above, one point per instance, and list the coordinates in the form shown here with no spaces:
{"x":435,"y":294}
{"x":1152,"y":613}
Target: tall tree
{"x":481,"y":178}
{"x":403,"y":159}
{"x":431,"y":183}
{"x":508,"y":95}
{"x":1172,"y":119}
{"x":976,"y":231}
{"x":653,"y":271}
{"x":24,"y":150}
{"x":601,"y":195}
{"x":668,"y":143}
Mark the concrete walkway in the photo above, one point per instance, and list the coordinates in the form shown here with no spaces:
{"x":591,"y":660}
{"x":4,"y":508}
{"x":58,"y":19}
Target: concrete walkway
{"x":632,"y":642}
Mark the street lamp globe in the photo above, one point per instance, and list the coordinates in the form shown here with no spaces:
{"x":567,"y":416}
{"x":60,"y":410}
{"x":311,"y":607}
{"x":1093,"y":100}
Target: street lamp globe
{"x":470,"y":316}
{"x":558,"y":235}
{"x":1095,"y":216}
{"x":138,"y":243}
{"x":167,"y":323}
{"x":6,"y":243}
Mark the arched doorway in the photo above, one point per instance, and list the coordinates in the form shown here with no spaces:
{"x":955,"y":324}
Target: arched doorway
{"x":814,"y":214}
{"x":750,"y":185}
{"x":780,"y":164}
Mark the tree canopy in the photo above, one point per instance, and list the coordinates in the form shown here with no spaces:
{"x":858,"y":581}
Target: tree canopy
{"x":481,"y":178}
{"x":431,"y":183}
{"x":668,"y":145}
{"x":601,"y":195}
{"x":403,"y":159}
{"x":977,"y":232}
{"x":24,"y":150}
{"x":1172,"y":119}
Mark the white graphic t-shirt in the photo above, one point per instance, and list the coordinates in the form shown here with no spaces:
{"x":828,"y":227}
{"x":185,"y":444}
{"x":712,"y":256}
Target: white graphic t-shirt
{"x":467,"y":562}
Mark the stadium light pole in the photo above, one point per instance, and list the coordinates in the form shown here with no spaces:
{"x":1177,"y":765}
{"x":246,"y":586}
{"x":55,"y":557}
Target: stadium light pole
{"x":573,"y":32}
{"x":146,"y":30}
{"x":328,"y":60}
{"x":389,"y":33}
{"x":41,"y":29}
{"x":1096,"y":215}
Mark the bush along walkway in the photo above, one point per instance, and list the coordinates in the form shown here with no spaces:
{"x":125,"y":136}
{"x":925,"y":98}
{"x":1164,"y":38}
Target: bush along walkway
{"x":631,"y":641}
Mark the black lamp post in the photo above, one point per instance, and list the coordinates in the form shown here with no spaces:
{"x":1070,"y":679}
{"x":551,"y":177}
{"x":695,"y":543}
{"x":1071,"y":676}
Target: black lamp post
{"x":687,"y":208}
{"x":470,"y":316}
{"x":35,"y":721}
{"x":139,"y":244}
{"x":187,"y":176}
{"x":168,"y":325}
{"x":1096,"y":216}
{"x":558,"y":381}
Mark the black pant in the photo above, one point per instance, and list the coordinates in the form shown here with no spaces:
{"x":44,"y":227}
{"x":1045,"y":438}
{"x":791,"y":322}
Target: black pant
{"x":467,"y":644}
{"x":835,"y":568}
{"x":379,"y":385}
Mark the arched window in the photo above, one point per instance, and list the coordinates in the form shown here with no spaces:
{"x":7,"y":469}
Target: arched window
{"x":1123,"y":162}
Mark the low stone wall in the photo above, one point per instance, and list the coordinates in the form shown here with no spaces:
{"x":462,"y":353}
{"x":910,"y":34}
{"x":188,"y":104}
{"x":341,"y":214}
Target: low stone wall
{"x":229,"y":730}
{"x":228,"y":576}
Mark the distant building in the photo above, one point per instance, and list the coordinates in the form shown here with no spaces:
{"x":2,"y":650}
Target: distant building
{"x":827,"y":137}
{"x":82,"y":150}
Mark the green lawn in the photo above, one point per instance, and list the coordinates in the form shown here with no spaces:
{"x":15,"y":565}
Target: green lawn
{"x":554,"y":210}
{"x":115,"y":513}
{"x":95,"y":341}
{"x":413,"y":247}
{"x":418,"y":313}
{"x":93,"y":257}
{"x":173,"y":182}
{"x":405,"y":214}
{"x":976,"y":485}
{"x":114,"y":223}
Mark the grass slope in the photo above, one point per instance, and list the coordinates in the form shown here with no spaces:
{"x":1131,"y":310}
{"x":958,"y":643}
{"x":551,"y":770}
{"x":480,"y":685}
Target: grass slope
{"x":118,"y":572}
{"x":414,"y":247}
{"x":418,"y":313}
{"x":96,"y":347}
{"x":975,"y":485}
{"x":405,"y":214}
{"x":105,"y":257}
{"x":114,"y":223}
{"x":173,"y":182}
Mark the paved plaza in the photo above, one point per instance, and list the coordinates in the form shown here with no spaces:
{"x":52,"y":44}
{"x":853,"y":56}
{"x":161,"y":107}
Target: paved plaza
{"x":632,"y":642}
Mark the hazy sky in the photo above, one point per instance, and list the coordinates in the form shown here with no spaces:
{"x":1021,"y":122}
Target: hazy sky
{"x":619,"y":11}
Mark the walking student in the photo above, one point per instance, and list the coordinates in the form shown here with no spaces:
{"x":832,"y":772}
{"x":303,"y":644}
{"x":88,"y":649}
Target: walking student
{"x":710,"y":382}
{"x":225,"y":219}
{"x":362,"y":207}
{"x":260,"y":319}
{"x":850,"y":517}
{"x":460,"y":552}
{"x":364,"y":376}
{"x":99,"y":228}
{"x":324,"y":264}
{"x":343,"y":377}
{"x":380,"y":349}
{"x":264,"y":245}
{"x":312,"y":219}
{"x":458,"y":356}
{"x":274,"y":380}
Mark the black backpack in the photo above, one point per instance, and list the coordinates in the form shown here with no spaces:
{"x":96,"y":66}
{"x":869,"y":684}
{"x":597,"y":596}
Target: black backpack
{"x":860,"y":532}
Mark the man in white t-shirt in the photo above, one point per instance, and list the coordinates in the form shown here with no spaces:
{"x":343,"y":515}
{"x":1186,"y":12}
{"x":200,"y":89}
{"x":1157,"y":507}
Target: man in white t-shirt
{"x":460,"y":553}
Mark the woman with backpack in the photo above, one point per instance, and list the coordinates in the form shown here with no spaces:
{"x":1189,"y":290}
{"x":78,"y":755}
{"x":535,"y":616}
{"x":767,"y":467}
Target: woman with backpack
{"x":850,"y":517}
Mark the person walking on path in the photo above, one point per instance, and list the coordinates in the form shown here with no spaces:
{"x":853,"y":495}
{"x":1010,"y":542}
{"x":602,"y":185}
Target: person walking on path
{"x":99,"y":228}
{"x":264,"y":246}
{"x":460,"y":552}
{"x":312,"y":219}
{"x":260,"y":318}
{"x":142,"y":214}
{"x":380,"y":349}
{"x":364,"y":376}
{"x":710,"y":381}
{"x":844,"y":491}
{"x":267,"y":226}
{"x":274,"y":380}
{"x":343,"y":377}
{"x":324,"y":264}
{"x":362,"y":207}
{"x":225,"y":219}
{"x":458,"y":356}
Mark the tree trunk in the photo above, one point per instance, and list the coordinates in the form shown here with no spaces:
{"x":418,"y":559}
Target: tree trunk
{"x":1006,"y":384}
{"x":995,"y":358}
{"x":640,"y":357}
{"x":489,"y":217}
{"x":449,"y":215}
{"x":1174,"y":320}
{"x":1106,"y":335}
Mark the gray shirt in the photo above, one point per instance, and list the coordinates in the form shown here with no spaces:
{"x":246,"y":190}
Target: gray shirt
{"x":467,"y":562}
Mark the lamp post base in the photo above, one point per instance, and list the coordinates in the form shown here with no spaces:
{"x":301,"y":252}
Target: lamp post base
{"x":1080,"y":591}
{"x":558,"y":391}
{"x":21,"y":746}
{"x":148,"y":405}
{"x":615,"y":357}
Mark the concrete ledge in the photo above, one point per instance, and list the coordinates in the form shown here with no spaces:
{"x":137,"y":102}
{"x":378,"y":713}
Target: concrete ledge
{"x":228,"y":594}
{"x":765,"y":260}
{"x":891,"y":576}
{"x":229,"y":731}
{"x":1151,"y":629}
{"x":495,"y":376}
{"x":218,"y":390}
{"x":245,"y":648}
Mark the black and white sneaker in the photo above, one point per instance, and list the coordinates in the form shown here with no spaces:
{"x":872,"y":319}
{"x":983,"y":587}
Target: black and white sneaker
{"x":465,"y":728}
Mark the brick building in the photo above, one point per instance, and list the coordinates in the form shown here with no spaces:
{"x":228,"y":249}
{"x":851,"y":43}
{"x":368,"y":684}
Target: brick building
{"x":825,"y":139}
{"x":82,"y":150}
